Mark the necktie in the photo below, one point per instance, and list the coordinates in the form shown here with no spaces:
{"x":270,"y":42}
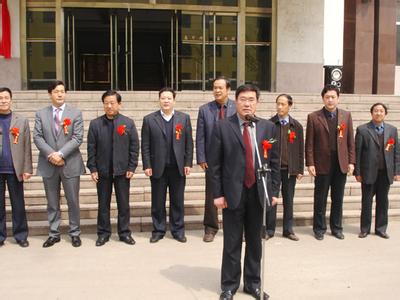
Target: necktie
{"x":57,"y":120}
{"x":249,"y":175}
{"x":221,"y":113}
{"x":379,"y":129}
{"x":331,"y":115}
{"x":283,"y":122}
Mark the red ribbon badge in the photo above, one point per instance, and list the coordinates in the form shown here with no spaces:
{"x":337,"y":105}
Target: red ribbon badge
{"x":291,"y":136}
{"x":121,"y":130}
{"x":178,"y":131}
{"x":341,"y":129}
{"x":389,"y":144}
{"x":15,"y":132}
{"x":267,"y":145}
{"x":66,"y":123}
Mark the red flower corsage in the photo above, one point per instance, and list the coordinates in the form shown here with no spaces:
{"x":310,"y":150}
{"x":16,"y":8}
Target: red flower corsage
{"x":291,"y":136}
{"x":66,"y":123}
{"x":178,"y":131}
{"x":341,"y":129}
{"x":267,"y":145}
{"x":389,"y":144}
{"x":15,"y":133}
{"x":121,"y":130}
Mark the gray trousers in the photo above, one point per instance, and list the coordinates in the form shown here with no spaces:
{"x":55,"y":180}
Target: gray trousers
{"x":52,"y":186}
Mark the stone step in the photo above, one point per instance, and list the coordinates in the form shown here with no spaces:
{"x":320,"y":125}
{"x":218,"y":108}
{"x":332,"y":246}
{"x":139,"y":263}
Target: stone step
{"x":143,"y":224}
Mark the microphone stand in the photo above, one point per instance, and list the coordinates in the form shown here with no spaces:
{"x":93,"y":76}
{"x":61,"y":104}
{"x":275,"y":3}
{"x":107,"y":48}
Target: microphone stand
{"x":262,"y":171}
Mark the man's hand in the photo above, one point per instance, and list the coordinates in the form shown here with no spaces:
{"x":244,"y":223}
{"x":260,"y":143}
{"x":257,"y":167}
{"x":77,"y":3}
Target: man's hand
{"x":358,"y":178}
{"x":350,"y":169}
{"x":220,"y":202}
{"x":274,"y":201}
{"x":56,"y":159}
{"x":311,"y":170}
{"x":204,"y":166}
{"x":299,"y":177}
{"x":148,"y":172}
{"x":95,"y":176}
{"x":26,"y":176}
{"x":129,"y":174}
{"x":397,"y":178}
{"x":187,"y":171}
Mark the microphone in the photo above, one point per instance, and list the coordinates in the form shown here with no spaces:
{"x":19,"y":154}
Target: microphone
{"x":251,"y":118}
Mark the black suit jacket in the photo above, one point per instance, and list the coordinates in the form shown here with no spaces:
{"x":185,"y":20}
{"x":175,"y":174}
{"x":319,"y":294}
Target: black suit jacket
{"x":154,"y":142}
{"x":227,"y":160}
{"x":367,"y":149}
{"x":207,"y":117}
{"x":125,"y":146}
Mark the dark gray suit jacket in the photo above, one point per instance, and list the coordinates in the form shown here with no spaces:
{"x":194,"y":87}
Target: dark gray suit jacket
{"x":206,"y":119}
{"x":47,"y":142}
{"x":367,"y":148}
{"x":125,"y":147}
{"x":227,"y":160}
{"x":154,"y":141}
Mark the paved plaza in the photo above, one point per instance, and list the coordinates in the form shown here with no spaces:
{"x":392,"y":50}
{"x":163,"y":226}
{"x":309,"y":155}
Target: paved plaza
{"x":309,"y":269}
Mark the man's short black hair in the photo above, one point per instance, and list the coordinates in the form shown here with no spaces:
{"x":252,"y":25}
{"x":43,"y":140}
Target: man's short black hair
{"x":227,"y":81}
{"x":111,"y":93}
{"x":6,"y":89}
{"x":54,"y":84}
{"x":287,"y":96}
{"x":247,"y":88}
{"x":377,"y":104}
{"x":167,"y":89}
{"x":330,"y":87}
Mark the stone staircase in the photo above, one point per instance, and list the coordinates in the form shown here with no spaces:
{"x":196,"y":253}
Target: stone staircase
{"x":138,"y":104}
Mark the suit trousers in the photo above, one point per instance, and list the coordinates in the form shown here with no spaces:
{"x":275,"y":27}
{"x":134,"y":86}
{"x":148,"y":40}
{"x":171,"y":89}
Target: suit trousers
{"x":176,"y":185}
{"x":16,"y":192}
{"x":380,"y":189}
{"x":335,"y":180}
{"x":248,"y":217}
{"x":210,"y":210}
{"x":287,"y":190}
{"x":104,"y":192}
{"x":52,"y":186}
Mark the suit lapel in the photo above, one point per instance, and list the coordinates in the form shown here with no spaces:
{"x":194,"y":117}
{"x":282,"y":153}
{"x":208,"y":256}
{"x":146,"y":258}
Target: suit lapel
{"x":51,"y":121}
{"x":159,"y":120}
{"x":234,"y":123}
{"x":214,"y":110}
{"x":231,"y":108}
{"x":322,"y":120}
{"x":372,"y":133}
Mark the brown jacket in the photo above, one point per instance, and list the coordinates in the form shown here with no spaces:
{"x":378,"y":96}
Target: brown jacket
{"x":295,"y":149}
{"x":317,"y":142}
{"x":21,"y":152}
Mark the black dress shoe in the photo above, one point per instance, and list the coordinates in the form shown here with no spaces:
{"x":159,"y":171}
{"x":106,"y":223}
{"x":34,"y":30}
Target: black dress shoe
{"x":101,"y":240}
{"x":256,"y":293}
{"x":51,"y":241}
{"x":339,"y":235}
{"x":181,"y":239}
{"x":1,"y":243}
{"x":226,"y":295}
{"x":76,"y":241}
{"x":362,"y":235}
{"x":319,"y":236}
{"x":155,"y":238}
{"x":23,"y":243}
{"x":383,"y":235}
{"x":127,"y":240}
{"x":291,"y":236}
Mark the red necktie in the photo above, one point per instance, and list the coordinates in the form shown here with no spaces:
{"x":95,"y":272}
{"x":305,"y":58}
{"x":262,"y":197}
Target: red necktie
{"x":221,"y":113}
{"x":249,"y":175}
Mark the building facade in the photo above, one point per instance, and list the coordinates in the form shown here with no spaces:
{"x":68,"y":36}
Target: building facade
{"x":280,"y":45}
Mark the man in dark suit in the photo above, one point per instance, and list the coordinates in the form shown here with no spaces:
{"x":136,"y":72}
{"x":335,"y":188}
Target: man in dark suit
{"x":377,"y":164}
{"x":209,"y":113}
{"x":330,"y":154}
{"x":239,"y":192}
{"x":291,"y":145}
{"x":167,"y":153}
{"x":113,"y":150}
{"x":58,"y":134}
{"x":15,"y":167}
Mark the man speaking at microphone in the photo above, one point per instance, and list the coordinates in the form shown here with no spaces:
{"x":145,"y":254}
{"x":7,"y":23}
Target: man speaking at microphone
{"x":239,"y":192}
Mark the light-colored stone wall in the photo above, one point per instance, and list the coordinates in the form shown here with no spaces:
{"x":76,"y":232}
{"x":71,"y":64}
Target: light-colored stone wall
{"x":300,"y":45}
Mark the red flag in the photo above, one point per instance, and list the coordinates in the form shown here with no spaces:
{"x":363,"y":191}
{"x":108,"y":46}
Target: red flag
{"x":5,"y":43}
